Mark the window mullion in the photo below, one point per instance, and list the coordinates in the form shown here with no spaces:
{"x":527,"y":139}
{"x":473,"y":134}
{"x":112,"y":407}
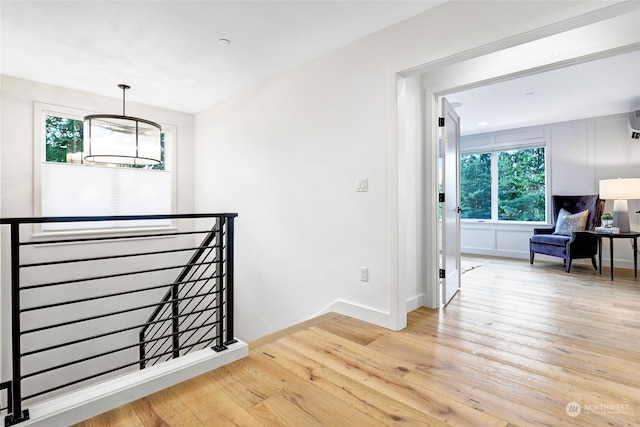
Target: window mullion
{"x":494,"y":186}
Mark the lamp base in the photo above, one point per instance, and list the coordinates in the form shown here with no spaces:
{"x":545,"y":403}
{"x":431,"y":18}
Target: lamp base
{"x":621,"y":215}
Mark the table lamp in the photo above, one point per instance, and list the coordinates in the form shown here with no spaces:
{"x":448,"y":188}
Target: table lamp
{"x":620,"y":190}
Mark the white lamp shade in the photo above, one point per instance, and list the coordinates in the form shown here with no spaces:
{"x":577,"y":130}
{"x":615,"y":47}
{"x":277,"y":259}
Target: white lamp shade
{"x":620,"y":188}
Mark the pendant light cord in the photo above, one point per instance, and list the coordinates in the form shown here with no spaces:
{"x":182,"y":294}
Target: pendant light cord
{"x":124,"y":89}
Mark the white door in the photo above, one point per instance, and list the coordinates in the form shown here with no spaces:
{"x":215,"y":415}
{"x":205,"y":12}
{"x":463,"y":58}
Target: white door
{"x":451,"y":207}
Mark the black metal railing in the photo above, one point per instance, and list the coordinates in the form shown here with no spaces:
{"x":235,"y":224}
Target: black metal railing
{"x":129,"y":301}
{"x":188,"y":305}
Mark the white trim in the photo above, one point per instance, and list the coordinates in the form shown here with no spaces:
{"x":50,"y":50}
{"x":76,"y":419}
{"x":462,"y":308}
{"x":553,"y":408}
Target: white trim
{"x":65,"y":235}
{"x":396,"y":319}
{"x":88,"y":402}
{"x":498,"y":142}
{"x":371,"y":315}
{"x":495,"y":185}
{"x":496,"y":253}
{"x":416,"y":302}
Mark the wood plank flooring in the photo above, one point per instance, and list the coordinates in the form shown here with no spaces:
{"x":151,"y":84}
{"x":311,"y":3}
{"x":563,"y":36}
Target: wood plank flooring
{"x":519,"y":345}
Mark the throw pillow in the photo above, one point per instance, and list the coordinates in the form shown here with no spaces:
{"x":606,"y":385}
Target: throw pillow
{"x":567,"y":223}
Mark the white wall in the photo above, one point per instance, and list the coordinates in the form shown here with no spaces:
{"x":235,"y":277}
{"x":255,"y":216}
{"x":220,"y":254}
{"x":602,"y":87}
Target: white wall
{"x":580,"y":153}
{"x":286,"y":154}
{"x":17,"y":186}
{"x":606,"y":151}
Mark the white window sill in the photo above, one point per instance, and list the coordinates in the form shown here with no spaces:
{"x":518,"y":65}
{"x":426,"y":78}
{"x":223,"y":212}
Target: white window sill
{"x":141,"y":233}
{"x":479,"y":223}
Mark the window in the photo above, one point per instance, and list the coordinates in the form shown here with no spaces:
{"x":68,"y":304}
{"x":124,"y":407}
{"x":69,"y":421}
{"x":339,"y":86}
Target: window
{"x":521,"y":185}
{"x":63,"y":139}
{"x":504,"y":185}
{"x":64,"y":142}
{"x":475,"y":186}
{"x":70,"y":186}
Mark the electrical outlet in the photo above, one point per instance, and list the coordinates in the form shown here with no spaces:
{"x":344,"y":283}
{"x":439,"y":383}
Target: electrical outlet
{"x":364,"y":274}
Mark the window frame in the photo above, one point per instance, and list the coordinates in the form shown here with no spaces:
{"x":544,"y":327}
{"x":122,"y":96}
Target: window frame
{"x":40,"y":111}
{"x":494,"y":148}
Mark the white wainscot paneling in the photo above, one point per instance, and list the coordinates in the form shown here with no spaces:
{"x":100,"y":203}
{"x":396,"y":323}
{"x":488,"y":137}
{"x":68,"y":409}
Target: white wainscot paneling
{"x":473,"y":239}
{"x":496,"y":239}
{"x":513,"y":241}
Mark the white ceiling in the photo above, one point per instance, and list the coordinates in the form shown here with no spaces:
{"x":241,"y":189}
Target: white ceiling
{"x":591,"y":89}
{"x":168,"y":51}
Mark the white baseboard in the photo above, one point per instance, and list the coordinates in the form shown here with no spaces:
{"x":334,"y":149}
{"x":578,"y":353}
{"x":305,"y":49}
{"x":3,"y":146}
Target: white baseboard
{"x":416,"y":302}
{"x":494,"y":252}
{"x":617,"y":263}
{"x":80,"y":405}
{"x":359,"y":312}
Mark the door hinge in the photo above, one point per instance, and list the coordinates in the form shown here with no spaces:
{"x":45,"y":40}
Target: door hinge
{"x":442,"y":273}
{"x":440,"y":122}
{"x":441,"y":197}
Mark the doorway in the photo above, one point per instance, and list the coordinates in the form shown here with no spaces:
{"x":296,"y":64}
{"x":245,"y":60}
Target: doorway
{"x":547,"y":111}
{"x":510,"y":60}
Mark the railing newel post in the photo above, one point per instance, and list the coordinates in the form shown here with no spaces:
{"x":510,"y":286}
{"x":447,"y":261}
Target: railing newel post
{"x":229,"y":290}
{"x":221,"y":225}
{"x":16,"y":413}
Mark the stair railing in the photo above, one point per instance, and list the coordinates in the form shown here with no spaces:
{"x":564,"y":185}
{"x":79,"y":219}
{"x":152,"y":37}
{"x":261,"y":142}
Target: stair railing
{"x":207,"y":269}
{"x":76,"y":320}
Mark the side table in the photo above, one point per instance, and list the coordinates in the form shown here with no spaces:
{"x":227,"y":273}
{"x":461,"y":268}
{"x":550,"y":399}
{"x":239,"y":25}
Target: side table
{"x":611,"y":236}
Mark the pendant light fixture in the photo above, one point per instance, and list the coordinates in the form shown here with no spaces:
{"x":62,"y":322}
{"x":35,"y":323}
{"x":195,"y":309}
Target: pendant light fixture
{"x":121,"y":140}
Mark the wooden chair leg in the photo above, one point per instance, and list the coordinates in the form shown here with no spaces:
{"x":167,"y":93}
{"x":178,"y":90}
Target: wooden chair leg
{"x":531,"y":254}
{"x":567,"y":263}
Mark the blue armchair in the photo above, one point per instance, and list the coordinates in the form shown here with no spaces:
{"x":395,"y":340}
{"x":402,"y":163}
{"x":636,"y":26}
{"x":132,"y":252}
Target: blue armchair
{"x":573,"y":245}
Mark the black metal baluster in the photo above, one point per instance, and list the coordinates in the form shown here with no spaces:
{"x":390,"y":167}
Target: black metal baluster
{"x":175,"y":323}
{"x":142,"y":350}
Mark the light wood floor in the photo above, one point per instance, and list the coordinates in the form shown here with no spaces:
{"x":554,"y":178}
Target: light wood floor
{"x":514,"y":348}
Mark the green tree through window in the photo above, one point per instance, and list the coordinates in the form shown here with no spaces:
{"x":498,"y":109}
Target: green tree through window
{"x":520,"y":188}
{"x":63,"y":137}
{"x":521,"y":185}
{"x":475,"y":186}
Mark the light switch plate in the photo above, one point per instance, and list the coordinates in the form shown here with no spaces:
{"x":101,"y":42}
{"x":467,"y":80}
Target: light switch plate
{"x":364,"y":274}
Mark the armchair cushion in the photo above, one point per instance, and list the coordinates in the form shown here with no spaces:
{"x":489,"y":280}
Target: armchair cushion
{"x":546,"y":230}
{"x":550,"y":239}
{"x":567,"y":222}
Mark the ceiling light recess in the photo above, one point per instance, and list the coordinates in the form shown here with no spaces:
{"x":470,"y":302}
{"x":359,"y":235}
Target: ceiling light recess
{"x":121,"y":140}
